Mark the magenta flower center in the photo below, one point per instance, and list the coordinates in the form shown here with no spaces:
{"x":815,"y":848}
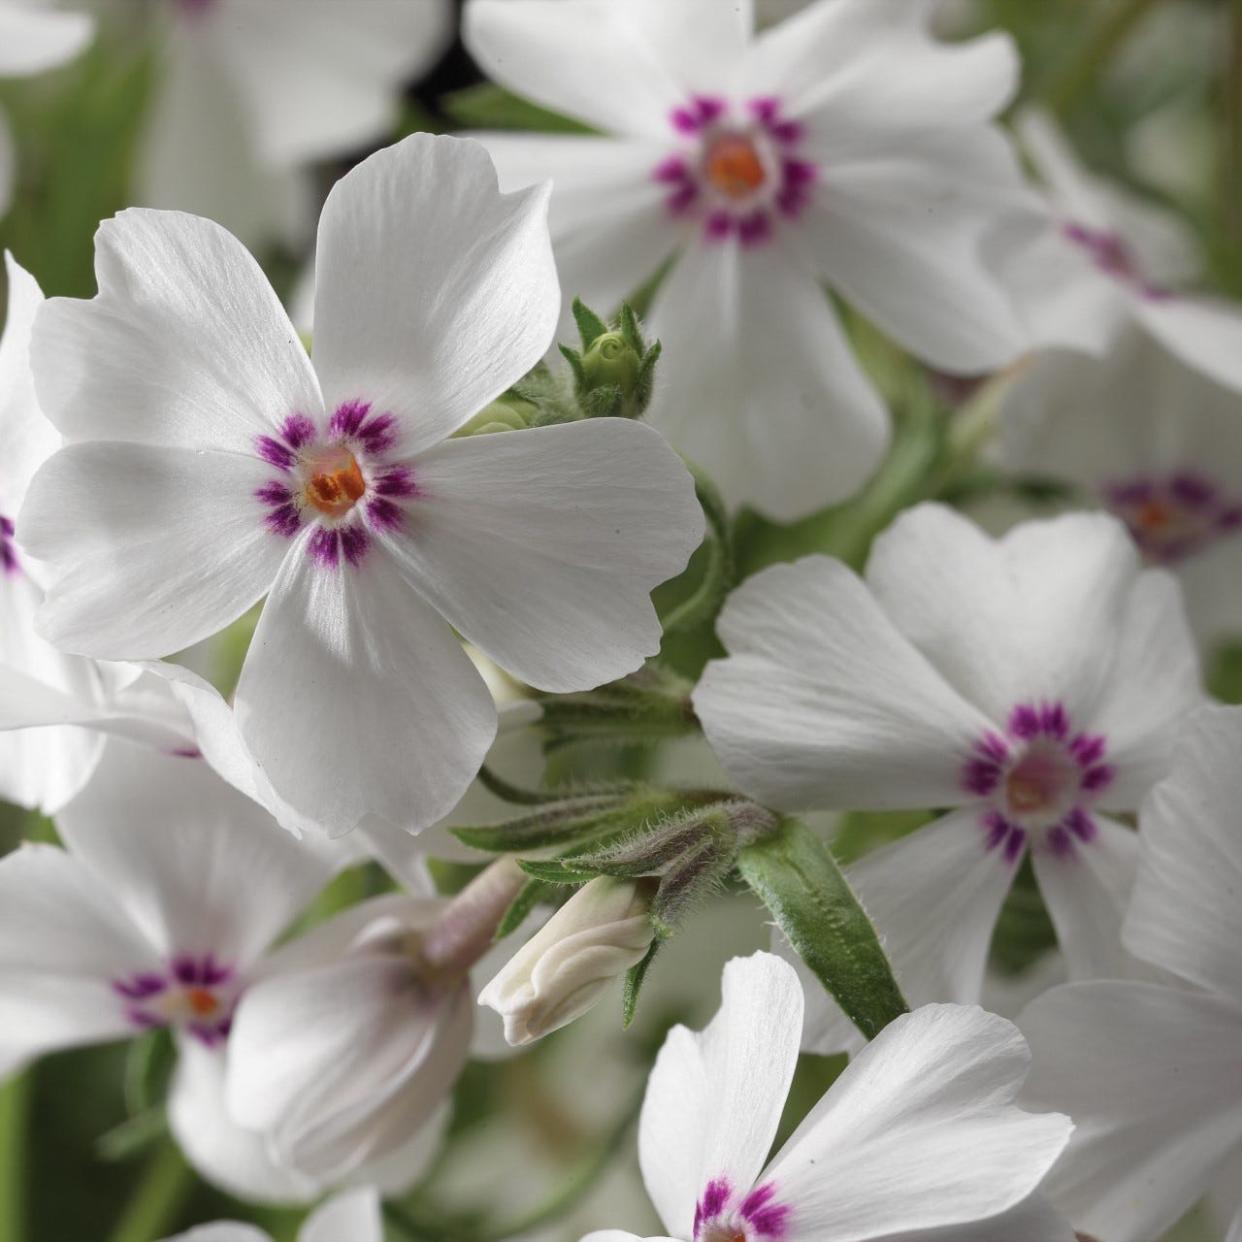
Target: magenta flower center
{"x":721,"y":1215}
{"x":10,"y":566}
{"x":194,"y":994}
{"x":341,"y":479}
{"x":1039,"y":776}
{"x":737,"y":170}
{"x":1175,"y":516}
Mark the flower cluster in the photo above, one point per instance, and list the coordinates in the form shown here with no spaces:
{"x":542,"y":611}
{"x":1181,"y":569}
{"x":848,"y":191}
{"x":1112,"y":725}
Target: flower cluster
{"x":599,"y":540}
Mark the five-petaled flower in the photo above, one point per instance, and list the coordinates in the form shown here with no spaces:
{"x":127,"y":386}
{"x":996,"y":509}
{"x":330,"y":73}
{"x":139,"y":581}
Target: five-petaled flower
{"x":1034,"y":683}
{"x":213,"y":465}
{"x":845,"y":146}
{"x":919,"y":1138}
{"x":1153,"y":1072}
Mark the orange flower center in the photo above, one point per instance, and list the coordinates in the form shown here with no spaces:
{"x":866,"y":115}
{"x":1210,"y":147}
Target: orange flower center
{"x":1155,"y":515}
{"x":335,"y":484}
{"x":202,"y":1002}
{"x":733,"y":166}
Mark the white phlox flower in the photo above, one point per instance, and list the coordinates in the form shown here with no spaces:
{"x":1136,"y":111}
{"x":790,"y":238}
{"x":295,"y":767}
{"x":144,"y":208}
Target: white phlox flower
{"x":845,"y":146}
{"x":249,"y":94}
{"x":1034,"y":684}
{"x":1155,"y":442}
{"x":918,"y":1139}
{"x":353,"y":1216}
{"x":159,"y":912}
{"x":35,"y":36}
{"x":339,"y":1063}
{"x":1096,"y":258}
{"x":1154,"y":1070}
{"x":211,"y":465}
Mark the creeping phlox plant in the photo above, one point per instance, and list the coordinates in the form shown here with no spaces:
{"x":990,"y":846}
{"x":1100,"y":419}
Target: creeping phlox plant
{"x":749,"y":524}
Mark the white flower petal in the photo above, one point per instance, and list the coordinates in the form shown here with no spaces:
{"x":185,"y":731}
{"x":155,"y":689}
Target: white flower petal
{"x":1075,"y":191}
{"x":197,"y":865}
{"x":1034,"y":1220}
{"x":758,"y":383}
{"x":231,"y":1158}
{"x":1212,"y":585}
{"x":434,"y":292}
{"x":318,"y":78}
{"x":42,"y":763}
{"x":934,"y":898}
{"x":940,"y":1080}
{"x":902,"y":238}
{"x":62,"y":943}
{"x":352,"y":1215}
{"x":591,"y":60}
{"x":34,"y":39}
{"x":197,"y":155}
{"x":611,"y":229}
{"x":715,"y":1097}
{"x":1144,"y":1069}
{"x":861,"y":72}
{"x":222,"y":1231}
{"x":1064,"y":300}
{"x":1154,"y":682}
{"x":542,"y":547}
{"x":1185,"y":915}
{"x":822,"y":703}
{"x":1024,"y":619}
{"x":1086,"y":892}
{"x":156,"y":548}
{"x":29,"y":439}
{"x":340,"y":1065}
{"x":357,"y":699}
{"x":185,"y":345}
{"x":1206,"y":333}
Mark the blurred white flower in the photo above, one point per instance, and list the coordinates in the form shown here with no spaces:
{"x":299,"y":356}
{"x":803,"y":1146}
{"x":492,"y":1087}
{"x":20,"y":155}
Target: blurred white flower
{"x":353,"y":1216}
{"x":918,"y":1138}
{"x":1096,"y":259}
{"x":1154,"y":1072}
{"x":845,"y":146}
{"x":34,"y":37}
{"x":568,"y":965}
{"x":1155,"y":442}
{"x":158,"y":913}
{"x":340,"y":1063}
{"x":214,"y":465}
{"x":1035,"y":683}
{"x":250,"y":93}
{"x":45,"y":768}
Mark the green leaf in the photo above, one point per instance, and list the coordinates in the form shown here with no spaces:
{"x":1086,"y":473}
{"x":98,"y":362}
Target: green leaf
{"x":492,"y":107}
{"x":558,"y":825}
{"x":795,"y":876}
{"x":629,"y":327}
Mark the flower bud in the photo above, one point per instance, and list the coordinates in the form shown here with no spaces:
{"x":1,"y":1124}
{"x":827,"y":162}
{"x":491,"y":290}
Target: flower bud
{"x":567,"y":965}
{"x":611,"y":361}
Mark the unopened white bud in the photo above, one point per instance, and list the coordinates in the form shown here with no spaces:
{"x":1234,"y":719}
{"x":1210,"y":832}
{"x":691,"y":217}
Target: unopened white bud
{"x":568,"y":964}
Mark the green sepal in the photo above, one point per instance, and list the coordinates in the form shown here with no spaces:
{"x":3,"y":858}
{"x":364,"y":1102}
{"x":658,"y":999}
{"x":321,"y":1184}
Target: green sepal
{"x":634,"y":979}
{"x":559,"y":824}
{"x":590,"y":326}
{"x":529,"y":896}
{"x":553,"y":871}
{"x":795,"y":876}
